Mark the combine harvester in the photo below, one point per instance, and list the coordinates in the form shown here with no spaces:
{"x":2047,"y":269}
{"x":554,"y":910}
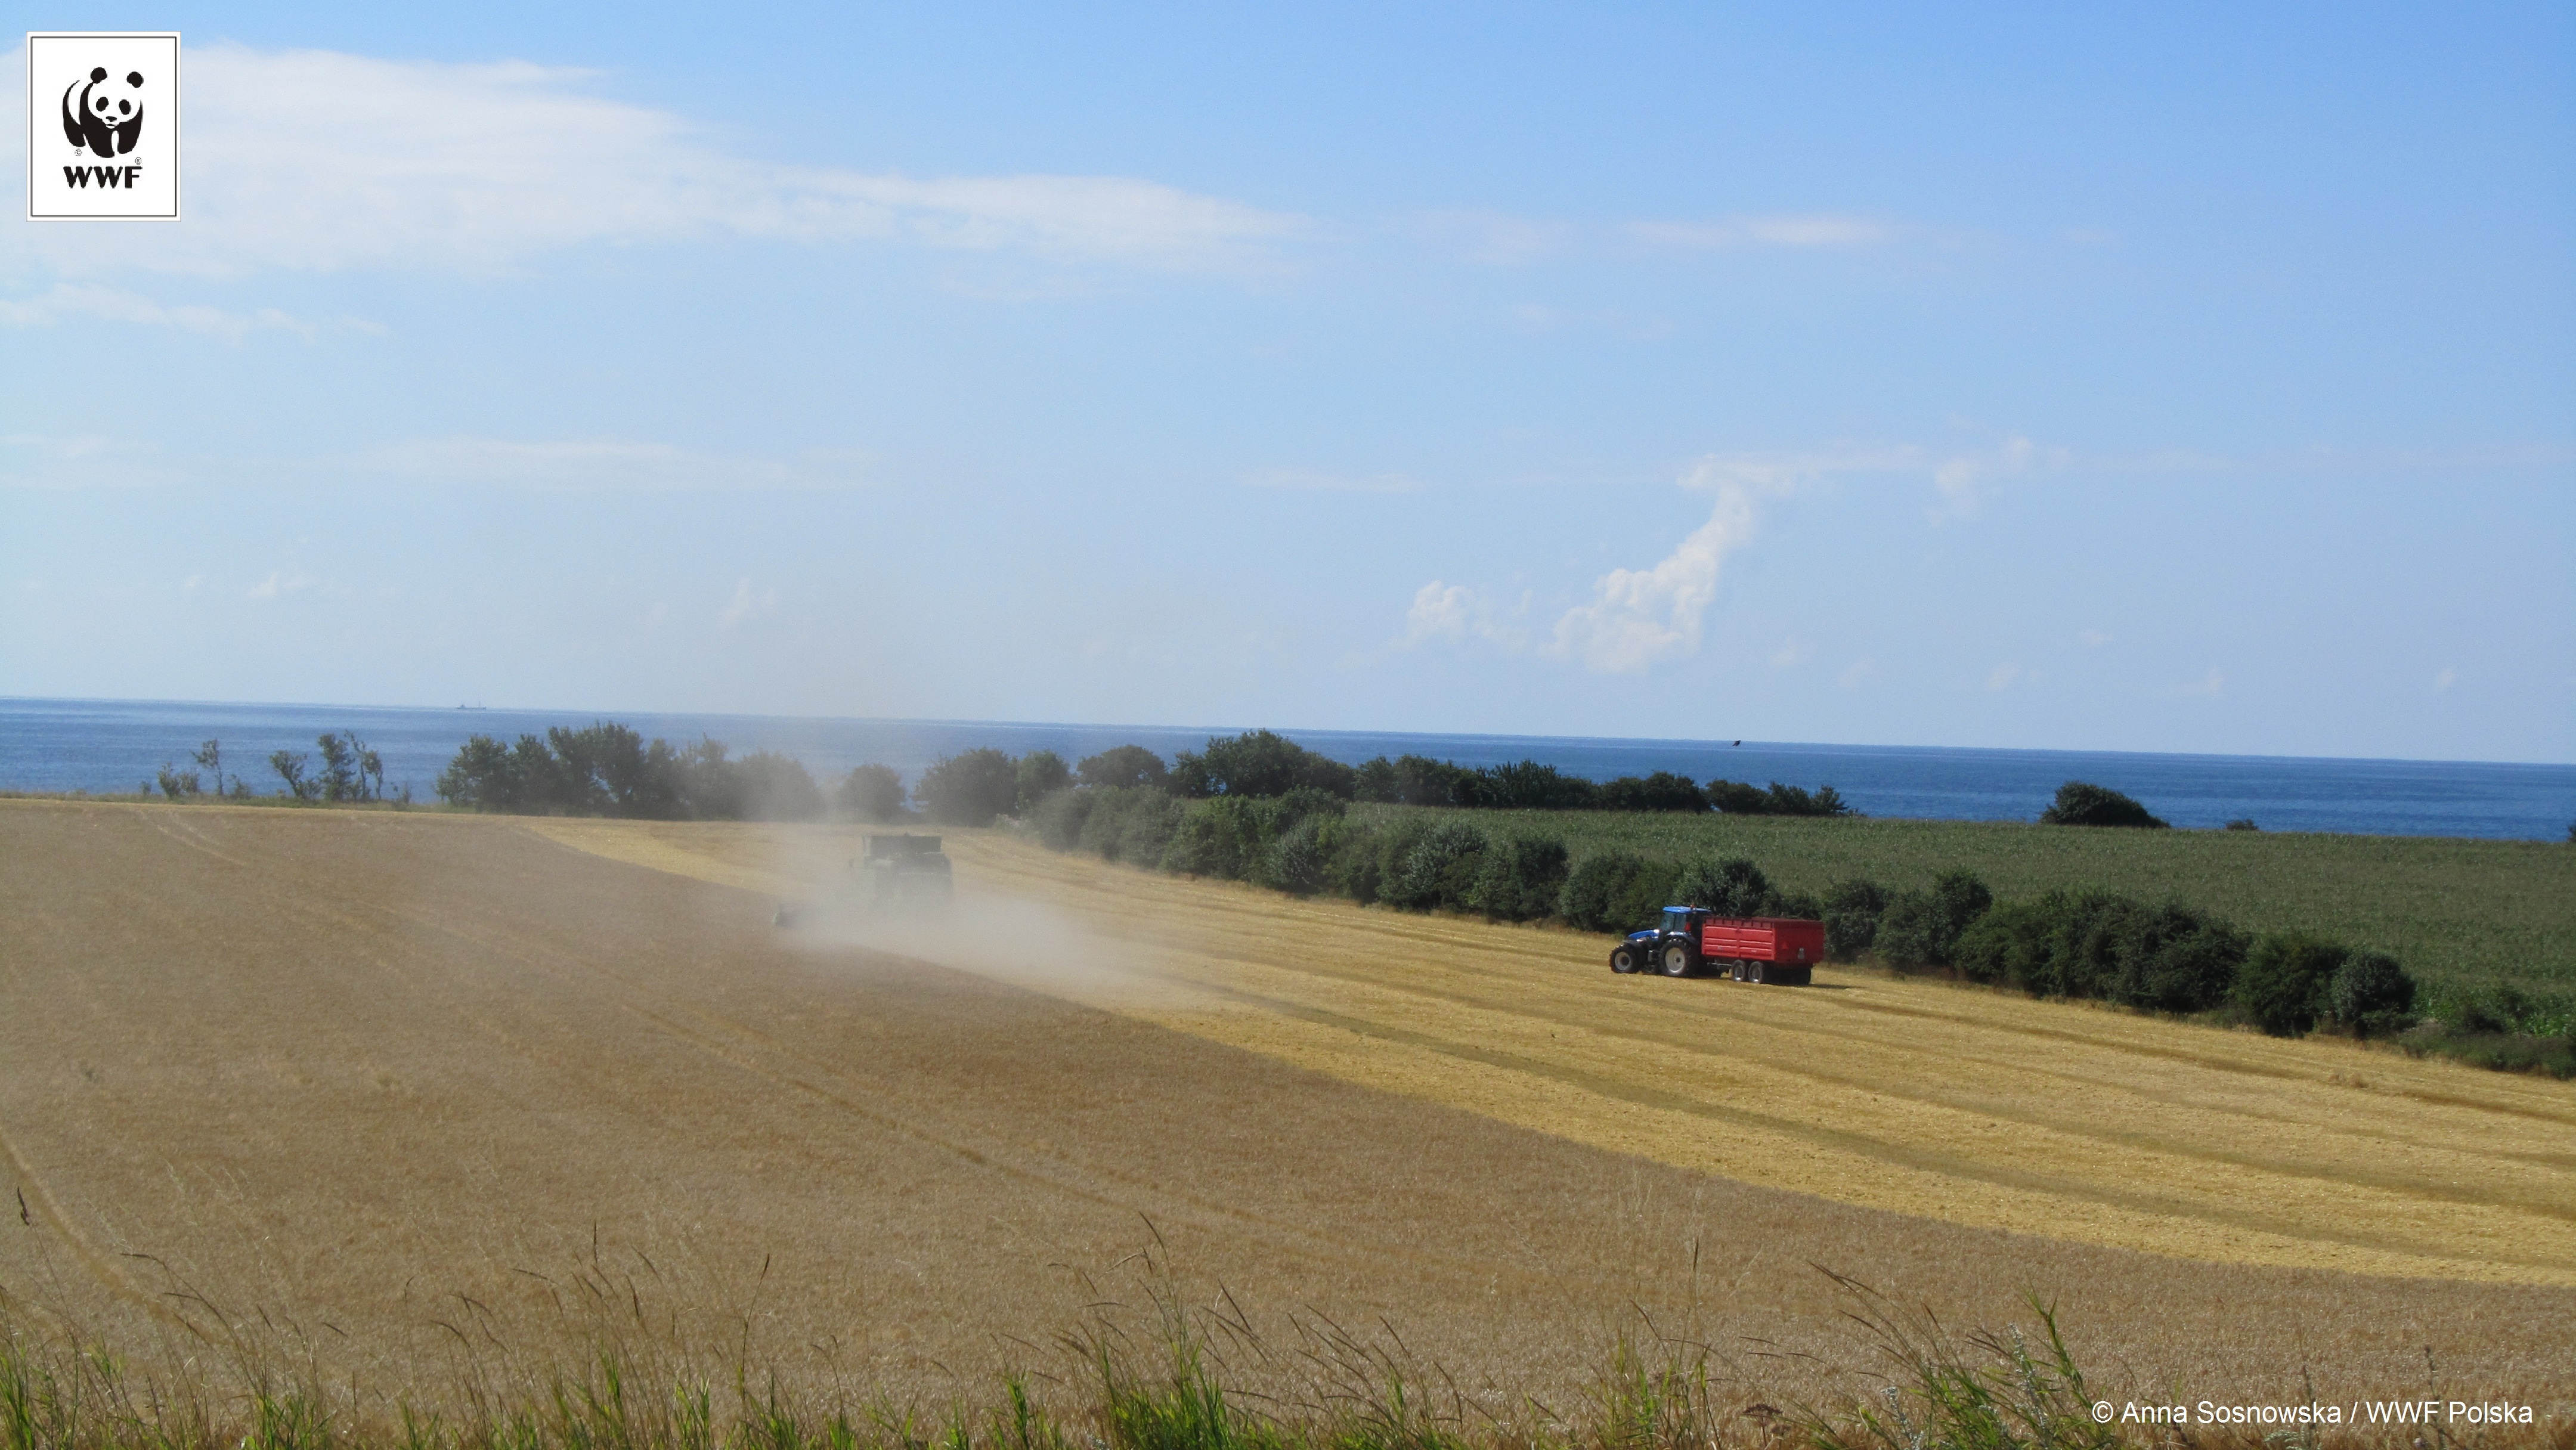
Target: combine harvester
{"x":899,"y":874}
{"x":1776,"y":949}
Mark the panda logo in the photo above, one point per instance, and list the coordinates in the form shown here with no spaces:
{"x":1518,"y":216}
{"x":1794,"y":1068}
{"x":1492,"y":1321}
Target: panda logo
{"x":107,"y":115}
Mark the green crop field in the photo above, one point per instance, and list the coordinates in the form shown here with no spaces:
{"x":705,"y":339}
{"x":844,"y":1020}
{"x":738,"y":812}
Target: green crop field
{"x":2458,"y":913}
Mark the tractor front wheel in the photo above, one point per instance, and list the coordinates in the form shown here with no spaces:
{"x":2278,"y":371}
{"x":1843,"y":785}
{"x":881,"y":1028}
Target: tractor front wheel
{"x":1623,"y":959}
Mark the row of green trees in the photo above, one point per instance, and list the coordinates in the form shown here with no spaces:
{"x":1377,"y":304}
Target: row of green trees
{"x":351,"y":771}
{"x":2098,"y":945}
{"x":1263,"y":763}
{"x":607,"y":769}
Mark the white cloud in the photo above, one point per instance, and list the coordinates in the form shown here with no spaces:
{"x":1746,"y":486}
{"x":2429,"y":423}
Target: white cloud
{"x":192,"y":583}
{"x":1789,"y":653}
{"x":609,"y":463}
{"x":1496,"y":239}
{"x":279,"y":583}
{"x":2445,"y":680}
{"x":88,"y":460}
{"x":1634,"y":326}
{"x":1456,"y":614}
{"x":474,"y":167}
{"x":1315,"y":480}
{"x":1857,"y":673}
{"x":1640,"y":616}
{"x":2092,"y":638}
{"x":77,"y":300}
{"x":1814,"y":230}
{"x":2210,"y":685}
{"x":1967,"y":482}
{"x":2008,"y":674}
{"x":747,"y":604}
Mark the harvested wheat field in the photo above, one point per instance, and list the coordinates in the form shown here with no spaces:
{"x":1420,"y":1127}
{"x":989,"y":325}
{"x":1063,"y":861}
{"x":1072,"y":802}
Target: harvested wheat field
{"x":389,"y":1086}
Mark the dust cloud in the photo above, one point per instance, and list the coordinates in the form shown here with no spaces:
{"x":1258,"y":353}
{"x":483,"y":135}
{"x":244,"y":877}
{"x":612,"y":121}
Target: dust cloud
{"x":984,"y":929}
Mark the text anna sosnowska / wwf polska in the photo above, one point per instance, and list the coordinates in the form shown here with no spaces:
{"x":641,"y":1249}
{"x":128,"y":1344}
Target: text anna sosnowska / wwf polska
{"x":2360,"y":1412}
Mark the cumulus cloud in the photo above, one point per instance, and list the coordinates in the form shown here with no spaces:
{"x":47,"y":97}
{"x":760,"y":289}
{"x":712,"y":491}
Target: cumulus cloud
{"x":747,"y":604}
{"x":1967,"y":482}
{"x":1640,"y":616}
{"x":475,"y":167}
{"x":2008,"y":674}
{"x":2445,"y":680}
{"x":2210,"y":686}
{"x":280,"y":583}
{"x":1809,"y":231}
{"x":1457,"y":614}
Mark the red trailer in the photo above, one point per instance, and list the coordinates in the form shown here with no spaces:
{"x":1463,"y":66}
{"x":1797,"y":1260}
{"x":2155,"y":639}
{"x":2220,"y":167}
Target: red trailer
{"x":1775,"y":949}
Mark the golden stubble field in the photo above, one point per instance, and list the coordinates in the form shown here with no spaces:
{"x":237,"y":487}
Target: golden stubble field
{"x":384,"y":1083}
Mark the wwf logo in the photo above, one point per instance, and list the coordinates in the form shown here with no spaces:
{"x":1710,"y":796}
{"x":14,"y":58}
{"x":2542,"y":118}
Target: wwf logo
{"x":116,"y":96}
{"x":106,"y":114}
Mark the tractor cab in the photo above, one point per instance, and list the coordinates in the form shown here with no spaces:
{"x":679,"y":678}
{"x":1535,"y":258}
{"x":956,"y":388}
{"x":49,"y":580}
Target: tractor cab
{"x":1670,"y":946}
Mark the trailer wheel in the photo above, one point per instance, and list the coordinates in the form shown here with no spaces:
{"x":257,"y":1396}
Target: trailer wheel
{"x":1623,"y":959}
{"x":1680,"y":960}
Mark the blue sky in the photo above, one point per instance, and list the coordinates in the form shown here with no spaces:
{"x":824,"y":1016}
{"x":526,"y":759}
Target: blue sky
{"x":2158,"y":379}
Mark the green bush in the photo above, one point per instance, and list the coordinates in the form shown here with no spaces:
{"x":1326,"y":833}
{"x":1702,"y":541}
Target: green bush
{"x":1648,"y":892}
{"x":1851,"y":912}
{"x":2284,"y":985}
{"x":2173,"y":959}
{"x":1123,"y":767}
{"x":872,"y":793}
{"x":2012,"y":945}
{"x":1731,"y":887}
{"x":1058,"y":820}
{"x":2079,"y":803}
{"x":1736,"y":798}
{"x":969,"y":789}
{"x":1661,"y":791}
{"x":1217,"y":837}
{"x":1358,"y":864}
{"x":1522,"y":878}
{"x":1132,"y":825}
{"x":1300,"y":861}
{"x":1922,"y":928}
{"x":1593,"y":889}
{"x":1796,"y":905}
{"x":1412,"y":780}
{"x":1259,"y":763}
{"x":1040,"y":773}
{"x":2371,"y":994}
{"x":1439,"y":871}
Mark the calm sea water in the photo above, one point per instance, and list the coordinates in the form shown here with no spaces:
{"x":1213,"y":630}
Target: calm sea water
{"x":114,"y":745}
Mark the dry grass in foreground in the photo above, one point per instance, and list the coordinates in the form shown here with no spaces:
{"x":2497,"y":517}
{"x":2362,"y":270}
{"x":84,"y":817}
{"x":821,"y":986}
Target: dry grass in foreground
{"x":1162,"y":1374}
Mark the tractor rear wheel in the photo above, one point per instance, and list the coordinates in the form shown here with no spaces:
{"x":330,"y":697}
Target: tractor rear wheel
{"x":1680,"y":960}
{"x":1623,"y":959}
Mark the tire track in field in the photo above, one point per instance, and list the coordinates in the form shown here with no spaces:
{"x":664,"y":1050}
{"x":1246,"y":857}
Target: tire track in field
{"x":1213,"y":919}
{"x":1815,"y":1047}
{"x":1013,"y":1158}
{"x":1817,"y":1044}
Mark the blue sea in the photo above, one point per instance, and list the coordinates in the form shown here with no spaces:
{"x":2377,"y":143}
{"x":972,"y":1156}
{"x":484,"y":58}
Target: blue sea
{"x":116,"y":745}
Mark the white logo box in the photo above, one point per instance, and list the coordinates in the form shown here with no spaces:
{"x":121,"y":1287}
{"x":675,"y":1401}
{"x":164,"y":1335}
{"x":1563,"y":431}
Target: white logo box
{"x":102,"y":126}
